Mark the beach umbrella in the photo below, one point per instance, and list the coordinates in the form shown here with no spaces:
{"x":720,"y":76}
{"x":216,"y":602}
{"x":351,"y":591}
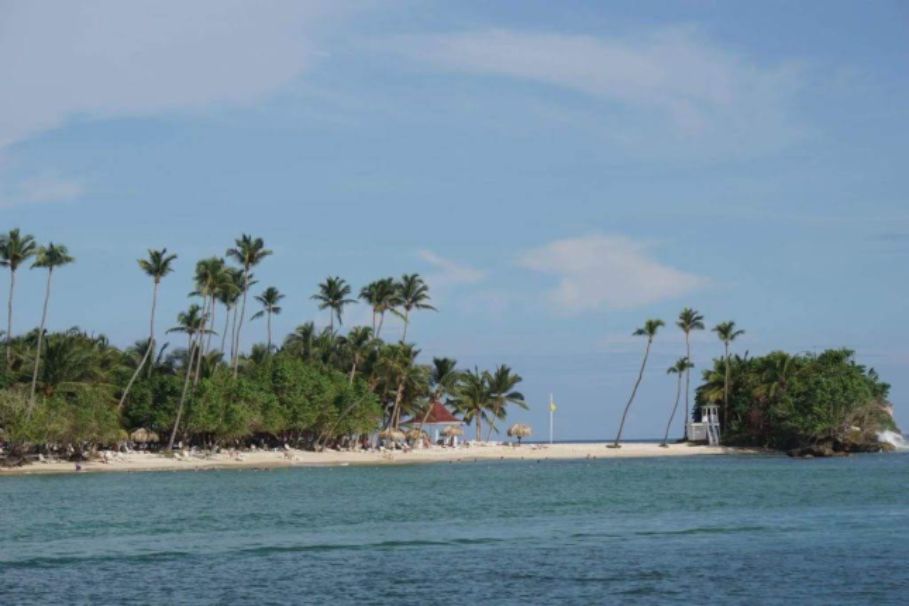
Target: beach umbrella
{"x":140,"y":436}
{"x":415,"y":434}
{"x":452,"y":430}
{"x":392,"y":434}
{"x":519,"y":431}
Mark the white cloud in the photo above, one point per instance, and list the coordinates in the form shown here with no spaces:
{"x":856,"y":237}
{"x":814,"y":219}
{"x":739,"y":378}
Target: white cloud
{"x":40,"y":190}
{"x":111,"y":58}
{"x":699,"y":87}
{"x":448,"y":273}
{"x":607,"y":272}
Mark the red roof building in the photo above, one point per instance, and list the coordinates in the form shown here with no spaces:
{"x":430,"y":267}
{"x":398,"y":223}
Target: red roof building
{"x":438,"y":415}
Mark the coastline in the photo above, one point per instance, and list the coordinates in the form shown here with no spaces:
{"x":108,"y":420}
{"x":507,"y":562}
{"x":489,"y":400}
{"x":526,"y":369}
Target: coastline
{"x":144,"y":461}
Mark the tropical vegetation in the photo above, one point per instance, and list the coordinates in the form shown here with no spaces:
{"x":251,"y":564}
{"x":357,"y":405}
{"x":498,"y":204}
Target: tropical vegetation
{"x":71,"y":392}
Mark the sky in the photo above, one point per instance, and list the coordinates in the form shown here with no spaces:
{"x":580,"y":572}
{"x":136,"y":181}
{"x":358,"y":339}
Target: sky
{"x":558,"y":172}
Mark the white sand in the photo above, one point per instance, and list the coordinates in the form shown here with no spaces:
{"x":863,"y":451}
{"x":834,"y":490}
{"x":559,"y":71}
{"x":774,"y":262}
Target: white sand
{"x":142,"y":461}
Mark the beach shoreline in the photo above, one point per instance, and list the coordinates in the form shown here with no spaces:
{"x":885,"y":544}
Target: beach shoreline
{"x":277,"y":459}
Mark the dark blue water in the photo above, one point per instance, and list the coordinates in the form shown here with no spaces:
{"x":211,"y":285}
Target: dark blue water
{"x":732,"y":530}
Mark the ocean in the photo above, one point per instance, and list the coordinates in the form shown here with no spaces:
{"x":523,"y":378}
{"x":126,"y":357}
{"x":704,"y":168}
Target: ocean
{"x":725,"y":530}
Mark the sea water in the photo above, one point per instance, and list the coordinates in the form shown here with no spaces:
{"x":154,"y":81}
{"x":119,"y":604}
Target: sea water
{"x":727,"y":529}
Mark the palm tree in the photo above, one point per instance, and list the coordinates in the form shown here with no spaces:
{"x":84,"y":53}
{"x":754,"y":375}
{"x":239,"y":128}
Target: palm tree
{"x":443,"y":381}
{"x":689,"y":320}
{"x":332,"y":295}
{"x":301,"y":341}
{"x":191,"y":323}
{"x":48,"y":257}
{"x":14,"y":250}
{"x":382,"y":296}
{"x":413,"y":293}
{"x":157,"y":265}
{"x":649,"y":330}
{"x":398,"y":364}
{"x":248,"y":252}
{"x":228,"y":293}
{"x":473,"y":397}
{"x":210,"y":276}
{"x":501,"y":390}
{"x":727,"y":333}
{"x":269,"y":299}
{"x":360,"y":343}
{"x":681,"y":366}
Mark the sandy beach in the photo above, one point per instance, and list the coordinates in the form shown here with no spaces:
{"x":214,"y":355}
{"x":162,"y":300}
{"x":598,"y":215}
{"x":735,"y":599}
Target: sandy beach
{"x":143,"y":461}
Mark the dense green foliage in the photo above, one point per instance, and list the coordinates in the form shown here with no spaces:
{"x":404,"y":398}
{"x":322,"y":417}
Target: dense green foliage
{"x":72,"y":392}
{"x":789,"y":402}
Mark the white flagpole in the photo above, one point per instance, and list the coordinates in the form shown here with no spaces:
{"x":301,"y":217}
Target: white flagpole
{"x":551,"y":416}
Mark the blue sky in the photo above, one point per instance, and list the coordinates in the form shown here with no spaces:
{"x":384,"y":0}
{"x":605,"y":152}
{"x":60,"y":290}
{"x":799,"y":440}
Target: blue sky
{"x":558,"y":171}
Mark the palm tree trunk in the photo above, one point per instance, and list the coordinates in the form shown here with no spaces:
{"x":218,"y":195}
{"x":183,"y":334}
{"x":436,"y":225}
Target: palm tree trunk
{"x":189,"y":373}
{"x":240,"y":323}
{"x":233,"y":332}
{"x":678,"y":396}
{"x":201,"y":339}
{"x":268,"y":323}
{"x":687,"y":384}
{"x":726,"y":386}
{"x":148,"y":350}
{"x":9,"y":318}
{"x":214,"y":308}
{"x":31,"y":397}
{"x":381,"y":322}
{"x":633,"y":393}
{"x":226,"y":326}
{"x":479,"y":431}
{"x":395,"y":412}
{"x":406,"y":324}
{"x":353,"y":370}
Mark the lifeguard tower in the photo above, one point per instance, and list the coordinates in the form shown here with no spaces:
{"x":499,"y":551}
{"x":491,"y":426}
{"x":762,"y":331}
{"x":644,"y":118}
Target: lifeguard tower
{"x":708,"y":430}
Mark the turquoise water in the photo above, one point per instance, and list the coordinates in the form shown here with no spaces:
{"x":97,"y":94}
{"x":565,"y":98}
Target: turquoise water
{"x":738,"y":530}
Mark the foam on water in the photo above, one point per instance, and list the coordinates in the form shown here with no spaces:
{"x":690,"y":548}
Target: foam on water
{"x":894,"y":438}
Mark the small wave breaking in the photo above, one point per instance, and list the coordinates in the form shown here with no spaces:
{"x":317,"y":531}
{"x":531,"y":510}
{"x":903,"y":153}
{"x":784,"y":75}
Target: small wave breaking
{"x":893,"y":438}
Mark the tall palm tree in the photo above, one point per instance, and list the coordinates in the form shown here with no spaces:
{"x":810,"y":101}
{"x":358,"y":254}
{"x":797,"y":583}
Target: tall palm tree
{"x":48,"y":257}
{"x":269,"y":299}
{"x":248,"y":253}
{"x":382,"y":296}
{"x":689,"y":320}
{"x":681,"y":366}
{"x":502,"y":382}
{"x":332,"y":295}
{"x":398,"y":364}
{"x":191,"y":323}
{"x":473,"y":398}
{"x":15,"y":249}
{"x":649,"y":330}
{"x":301,"y":341}
{"x":727,"y":332}
{"x":413,"y":293}
{"x":228,"y":293}
{"x":157,"y":265}
{"x":210,"y":276}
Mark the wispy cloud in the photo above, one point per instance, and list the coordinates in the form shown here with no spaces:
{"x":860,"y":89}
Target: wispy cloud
{"x":701,"y":88}
{"x":41,"y":190}
{"x":447,"y":273}
{"x":111,"y":58}
{"x":607,"y":272}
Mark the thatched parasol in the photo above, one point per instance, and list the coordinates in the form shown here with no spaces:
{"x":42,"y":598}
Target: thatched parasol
{"x":394,"y":435}
{"x":519,"y":431}
{"x":143,"y":436}
{"x":416,"y":434}
{"x":452,"y":430}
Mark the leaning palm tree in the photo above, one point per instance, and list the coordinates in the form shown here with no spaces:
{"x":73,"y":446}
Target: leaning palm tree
{"x":727,"y":332}
{"x":359,"y":344}
{"x":382,"y":296}
{"x":48,"y":257}
{"x":413,"y":293}
{"x":269,"y":300}
{"x":191,"y":323}
{"x":332,"y":295}
{"x":443,"y":381}
{"x":681,"y":366}
{"x":248,"y":252}
{"x":689,"y":320}
{"x":157,"y":265}
{"x":649,"y":330}
{"x":228,"y":293}
{"x":15,"y":249}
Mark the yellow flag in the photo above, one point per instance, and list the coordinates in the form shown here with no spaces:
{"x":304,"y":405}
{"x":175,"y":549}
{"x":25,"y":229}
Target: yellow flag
{"x":552,"y":406}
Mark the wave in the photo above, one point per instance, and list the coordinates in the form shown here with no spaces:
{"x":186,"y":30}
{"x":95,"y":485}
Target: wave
{"x":894,"y":438}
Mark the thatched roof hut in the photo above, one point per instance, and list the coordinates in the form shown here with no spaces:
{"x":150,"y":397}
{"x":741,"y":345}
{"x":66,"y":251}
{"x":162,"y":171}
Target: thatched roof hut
{"x":143,"y":436}
{"x":453,"y":430}
{"x":520,"y":431}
